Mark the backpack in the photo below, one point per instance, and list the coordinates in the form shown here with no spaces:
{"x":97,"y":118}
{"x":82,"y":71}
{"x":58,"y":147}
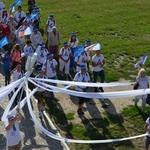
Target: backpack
{"x":63,"y":50}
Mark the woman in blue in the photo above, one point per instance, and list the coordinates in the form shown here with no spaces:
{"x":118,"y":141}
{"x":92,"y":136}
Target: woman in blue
{"x":6,"y":60}
{"x":73,"y":43}
{"x":143,"y":83}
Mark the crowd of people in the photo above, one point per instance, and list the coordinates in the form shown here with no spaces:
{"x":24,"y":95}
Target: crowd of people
{"x":51,"y":61}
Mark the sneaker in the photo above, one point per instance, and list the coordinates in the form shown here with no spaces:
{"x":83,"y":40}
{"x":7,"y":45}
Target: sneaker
{"x":80,"y":112}
{"x":40,"y":114}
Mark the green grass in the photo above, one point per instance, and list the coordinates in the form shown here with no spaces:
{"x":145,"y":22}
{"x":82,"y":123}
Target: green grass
{"x":122,"y":28}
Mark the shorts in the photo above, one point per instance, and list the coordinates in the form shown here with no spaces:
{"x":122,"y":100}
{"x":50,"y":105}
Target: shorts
{"x":16,"y":147}
{"x":40,"y":96}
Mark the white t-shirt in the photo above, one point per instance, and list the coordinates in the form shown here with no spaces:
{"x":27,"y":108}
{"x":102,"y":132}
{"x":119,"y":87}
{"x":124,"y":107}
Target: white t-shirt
{"x":50,"y":24}
{"x":49,"y":65}
{"x":79,"y":77}
{"x":39,"y":83}
{"x":65,"y":53}
{"x":42,"y":56}
{"x":5,"y":19}
{"x":18,"y":75}
{"x":80,"y":61}
{"x":13,"y":135}
{"x":143,"y":82}
{"x":28,"y":50}
{"x":19,"y":15}
{"x":74,"y":44}
{"x":96,"y":60}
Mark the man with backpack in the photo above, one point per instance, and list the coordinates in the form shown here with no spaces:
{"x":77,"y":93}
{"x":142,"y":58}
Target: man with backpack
{"x":64,"y":59}
{"x":81,"y":60}
{"x":81,"y":76}
{"x":50,"y":67}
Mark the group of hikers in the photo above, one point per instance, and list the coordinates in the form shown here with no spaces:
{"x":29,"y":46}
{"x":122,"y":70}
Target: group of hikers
{"x":51,"y":62}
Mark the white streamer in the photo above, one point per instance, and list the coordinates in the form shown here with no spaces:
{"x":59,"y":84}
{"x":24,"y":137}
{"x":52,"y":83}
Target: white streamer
{"x":11,"y":86}
{"x":119,"y":94}
{"x":85,"y":84}
{"x":10,"y":103}
{"x":37,"y":123}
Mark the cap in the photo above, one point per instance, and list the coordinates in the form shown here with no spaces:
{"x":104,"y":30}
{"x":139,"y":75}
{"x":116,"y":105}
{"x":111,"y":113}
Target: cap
{"x":35,"y":29}
{"x":49,"y":55}
{"x":42,"y":45}
{"x":83,"y":67}
{"x":51,"y":16}
{"x":39,"y":70}
{"x":73,"y":34}
{"x":10,"y":116}
{"x":65,"y":44}
{"x":88,"y":42}
{"x":7,"y":53}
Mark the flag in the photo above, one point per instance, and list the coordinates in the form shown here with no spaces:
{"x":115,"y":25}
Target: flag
{"x":33,"y":16}
{"x":77,"y":51}
{"x":16,"y":3}
{"x":93,"y":47}
{"x":25,"y":31}
{"x":3,"y":42}
{"x":141,"y":62}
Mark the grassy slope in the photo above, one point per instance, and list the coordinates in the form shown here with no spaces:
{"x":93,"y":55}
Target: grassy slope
{"x":122,"y":27}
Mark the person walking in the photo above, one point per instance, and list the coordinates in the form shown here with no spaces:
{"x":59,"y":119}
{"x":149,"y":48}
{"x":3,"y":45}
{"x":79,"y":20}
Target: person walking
{"x":53,"y":42}
{"x":50,"y":67}
{"x":6,"y":60}
{"x":98,"y":62}
{"x":13,"y":136}
{"x":143,"y":83}
{"x":64,"y":59}
{"x":81,"y":76}
{"x":40,"y":94}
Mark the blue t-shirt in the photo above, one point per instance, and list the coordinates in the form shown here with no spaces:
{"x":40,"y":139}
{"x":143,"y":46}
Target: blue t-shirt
{"x":6,"y":63}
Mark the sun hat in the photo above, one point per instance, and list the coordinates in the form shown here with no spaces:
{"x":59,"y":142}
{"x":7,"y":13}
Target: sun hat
{"x":73,"y":34}
{"x":65,"y":44}
{"x":51,"y":16}
{"x":35,"y":29}
{"x":10,"y":116}
{"x":39,"y":70}
{"x":88,"y":42}
{"x":49,"y":55}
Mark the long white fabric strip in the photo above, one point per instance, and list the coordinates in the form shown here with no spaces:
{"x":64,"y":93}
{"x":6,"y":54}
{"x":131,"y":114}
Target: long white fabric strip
{"x":11,"y":85}
{"x":38,"y":124}
{"x":4,"y":91}
{"x":11,"y":102}
{"x":84,"y":84}
{"x":119,"y":94}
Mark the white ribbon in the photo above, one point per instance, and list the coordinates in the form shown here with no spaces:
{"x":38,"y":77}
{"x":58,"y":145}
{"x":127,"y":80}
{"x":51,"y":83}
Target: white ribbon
{"x":10,"y":103}
{"x":88,"y":84}
{"x":119,"y":94}
{"x":38,"y":124}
